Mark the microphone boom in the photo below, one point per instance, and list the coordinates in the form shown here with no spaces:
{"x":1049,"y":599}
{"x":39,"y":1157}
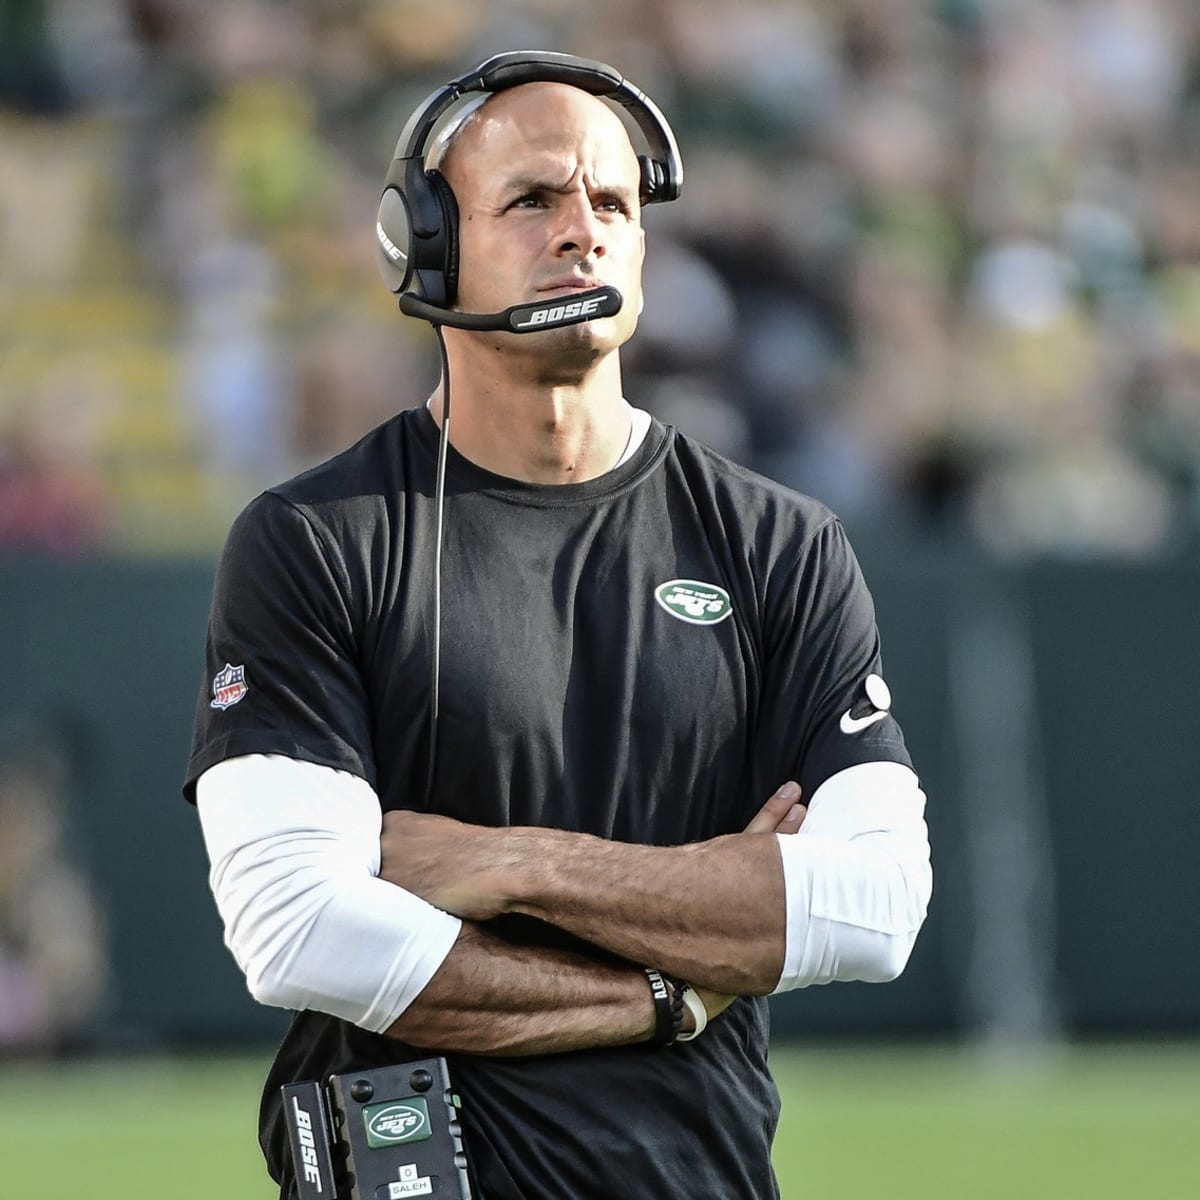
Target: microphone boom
{"x":522,"y":318}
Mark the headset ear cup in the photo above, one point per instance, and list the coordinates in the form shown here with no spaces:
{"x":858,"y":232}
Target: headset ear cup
{"x":653,"y":177}
{"x":393,"y":238}
{"x":449,"y":208}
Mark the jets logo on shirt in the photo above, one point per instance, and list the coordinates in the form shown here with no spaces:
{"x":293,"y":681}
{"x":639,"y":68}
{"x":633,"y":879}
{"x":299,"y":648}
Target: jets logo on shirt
{"x":228,"y":686}
{"x":694,"y":602}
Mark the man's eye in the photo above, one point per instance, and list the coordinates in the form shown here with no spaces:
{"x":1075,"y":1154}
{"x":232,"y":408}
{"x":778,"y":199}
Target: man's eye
{"x":612,"y":204}
{"x":529,"y":200}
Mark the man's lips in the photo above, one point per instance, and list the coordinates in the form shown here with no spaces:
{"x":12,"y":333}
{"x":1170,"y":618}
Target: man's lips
{"x":574,"y":283}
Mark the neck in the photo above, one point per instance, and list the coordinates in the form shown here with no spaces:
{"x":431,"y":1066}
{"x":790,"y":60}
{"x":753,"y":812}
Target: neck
{"x":529,"y":422}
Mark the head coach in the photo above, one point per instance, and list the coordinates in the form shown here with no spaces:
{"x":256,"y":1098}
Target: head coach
{"x":545,"y":738}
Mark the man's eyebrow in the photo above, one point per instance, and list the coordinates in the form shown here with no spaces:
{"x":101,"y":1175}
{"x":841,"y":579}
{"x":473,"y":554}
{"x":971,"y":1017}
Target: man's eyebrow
{"x":523,"y":184}
{"x":533,"y":183}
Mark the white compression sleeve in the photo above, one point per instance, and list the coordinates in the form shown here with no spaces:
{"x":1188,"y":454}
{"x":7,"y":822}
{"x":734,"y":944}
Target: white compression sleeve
{"x":294,"y":849}
{"x":857,"y":878}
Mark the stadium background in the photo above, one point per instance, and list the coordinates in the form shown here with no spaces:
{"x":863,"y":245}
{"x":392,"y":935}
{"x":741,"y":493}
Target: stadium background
{"x":942,"y":265}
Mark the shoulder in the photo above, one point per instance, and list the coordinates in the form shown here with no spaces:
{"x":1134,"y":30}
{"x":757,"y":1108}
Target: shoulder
{"x":341,"y":500}
{"x":374,"y":462}
{"x":745,"y":499}
{"x":331,"y":515}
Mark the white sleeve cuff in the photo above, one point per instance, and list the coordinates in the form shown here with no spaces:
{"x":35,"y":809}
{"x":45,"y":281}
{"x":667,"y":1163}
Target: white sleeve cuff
{"x":857,"y":878}
{"x":294,"y":850}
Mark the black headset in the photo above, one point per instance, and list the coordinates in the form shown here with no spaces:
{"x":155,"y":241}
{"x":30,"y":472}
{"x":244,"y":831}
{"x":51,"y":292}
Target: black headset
{"x":417,"y":227}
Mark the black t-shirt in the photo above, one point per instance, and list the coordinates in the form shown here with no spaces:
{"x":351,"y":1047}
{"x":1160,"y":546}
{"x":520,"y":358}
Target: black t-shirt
{"x":645,"y":656}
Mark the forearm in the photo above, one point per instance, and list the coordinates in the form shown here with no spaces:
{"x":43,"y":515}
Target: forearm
{"x":843,"y":899}
{"x":492,"y":997}
{"x":712,"y":913}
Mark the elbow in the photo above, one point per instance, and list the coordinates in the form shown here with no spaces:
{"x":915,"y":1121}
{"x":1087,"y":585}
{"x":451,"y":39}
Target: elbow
{"x":887,"y":958}
{"x":873,"y":944}
{"x":268,"y":932}
{"x":268,"y":978}
{"x":272,"y":988}
{"x":888,"y":952}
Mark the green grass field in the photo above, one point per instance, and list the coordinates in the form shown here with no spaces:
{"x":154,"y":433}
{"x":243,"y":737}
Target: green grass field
{"x":1120,"y":1122}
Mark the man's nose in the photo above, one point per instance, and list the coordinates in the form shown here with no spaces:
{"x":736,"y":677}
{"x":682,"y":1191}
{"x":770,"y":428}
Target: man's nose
{"x":579,"y":230}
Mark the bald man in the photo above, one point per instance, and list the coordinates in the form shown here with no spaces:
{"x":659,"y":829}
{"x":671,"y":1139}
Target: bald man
{"x":649,"y":655}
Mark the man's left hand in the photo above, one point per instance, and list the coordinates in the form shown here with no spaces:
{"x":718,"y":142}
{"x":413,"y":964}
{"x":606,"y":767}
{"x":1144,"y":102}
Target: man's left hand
{"x":454,"y":866}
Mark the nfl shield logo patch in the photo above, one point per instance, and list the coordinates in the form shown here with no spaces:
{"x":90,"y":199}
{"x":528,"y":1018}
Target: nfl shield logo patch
{"x":229,"y":686}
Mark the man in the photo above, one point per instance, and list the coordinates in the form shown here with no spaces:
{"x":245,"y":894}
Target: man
{"x":639,"y":642}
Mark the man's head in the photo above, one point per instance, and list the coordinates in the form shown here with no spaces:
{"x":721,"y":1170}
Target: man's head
{"x":546,"y":181}
{"x":417,"y":223}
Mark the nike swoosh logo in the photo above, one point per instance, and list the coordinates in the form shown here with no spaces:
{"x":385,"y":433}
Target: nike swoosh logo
{"x":849,"y":724}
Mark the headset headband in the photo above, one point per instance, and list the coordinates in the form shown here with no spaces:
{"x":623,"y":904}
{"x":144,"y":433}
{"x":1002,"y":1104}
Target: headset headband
{"x":517,"y":67}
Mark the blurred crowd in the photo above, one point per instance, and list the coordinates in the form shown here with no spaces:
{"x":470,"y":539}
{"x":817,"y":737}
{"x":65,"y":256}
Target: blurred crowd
{"x":55,"y":969}
{"x":937,"y":262}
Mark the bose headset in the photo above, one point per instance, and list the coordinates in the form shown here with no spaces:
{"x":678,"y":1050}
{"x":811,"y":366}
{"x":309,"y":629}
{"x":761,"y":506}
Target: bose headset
{"x":416,"y":229}
{"x":416,"y":232}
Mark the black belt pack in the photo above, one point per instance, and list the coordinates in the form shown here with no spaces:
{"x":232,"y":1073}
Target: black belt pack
{"x":383,"y":1134}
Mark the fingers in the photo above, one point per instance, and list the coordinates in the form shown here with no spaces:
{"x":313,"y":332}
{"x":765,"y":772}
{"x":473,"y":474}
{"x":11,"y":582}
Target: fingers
{"x":780,"y":809}
{"x":794,"y":819}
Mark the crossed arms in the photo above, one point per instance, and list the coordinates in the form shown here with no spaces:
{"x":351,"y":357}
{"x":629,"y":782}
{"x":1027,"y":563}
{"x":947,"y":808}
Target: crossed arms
{"x":313,"y":927}
{"x":723,"y":936}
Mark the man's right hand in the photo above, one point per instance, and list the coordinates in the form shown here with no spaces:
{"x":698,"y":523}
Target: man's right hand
{"x":782,"y":813}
